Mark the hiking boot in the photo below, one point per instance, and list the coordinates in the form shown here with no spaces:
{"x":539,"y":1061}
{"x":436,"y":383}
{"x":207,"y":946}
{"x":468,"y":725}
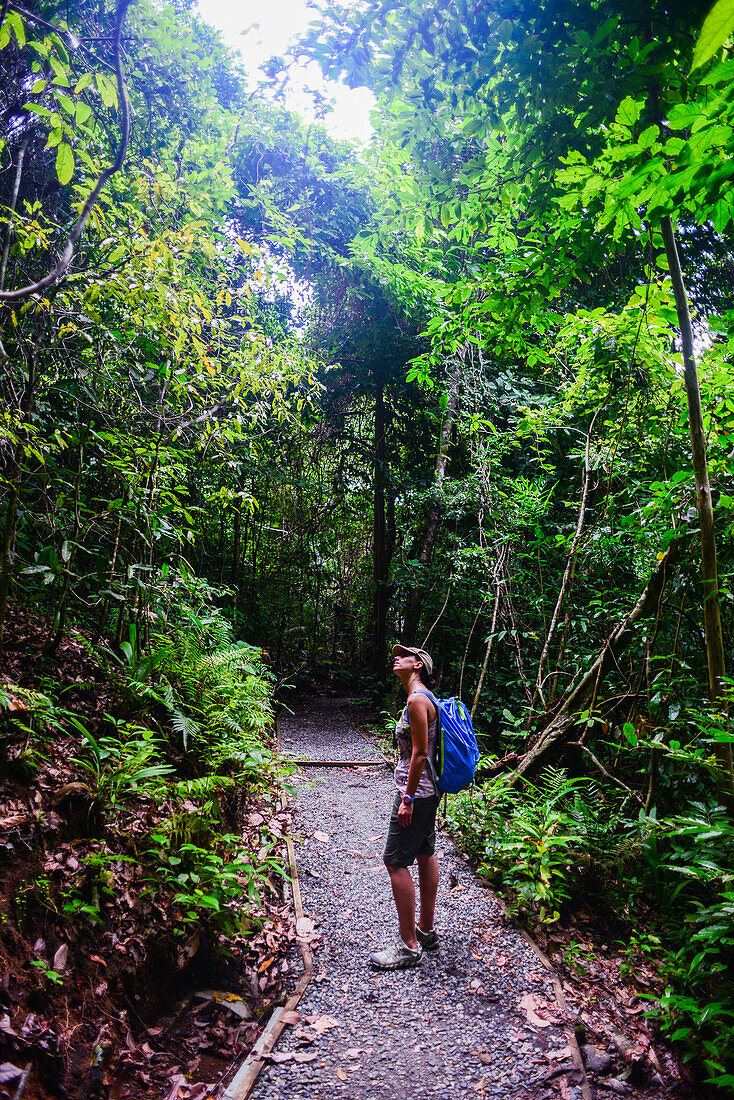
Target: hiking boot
{"x":396,"y":957}
{"x":428,"y":940}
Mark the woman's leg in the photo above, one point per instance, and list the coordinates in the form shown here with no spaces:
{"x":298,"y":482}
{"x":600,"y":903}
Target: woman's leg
{"x":403,"y":892}
{"x":428,"y":886}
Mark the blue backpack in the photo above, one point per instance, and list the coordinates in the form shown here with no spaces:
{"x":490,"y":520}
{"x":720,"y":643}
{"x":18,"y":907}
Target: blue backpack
{"x":458,"y":752}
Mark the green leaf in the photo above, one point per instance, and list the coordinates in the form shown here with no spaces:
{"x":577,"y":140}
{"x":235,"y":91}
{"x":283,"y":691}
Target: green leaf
{"x":628,"y":112}
{"x":83,"y":111}
{"x":717,"y":27}
{"x":66,"y":103}
{"x":107,"y":90}
{"x":683,"y":115}
{"x":61,"y":77}
{"x":15,"y":21}
{"x":64,"y":163}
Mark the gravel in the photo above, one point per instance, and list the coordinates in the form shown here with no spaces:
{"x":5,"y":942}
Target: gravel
{"x":453,"y":1027}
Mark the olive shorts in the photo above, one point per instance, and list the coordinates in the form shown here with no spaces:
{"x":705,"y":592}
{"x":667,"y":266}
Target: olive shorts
{"x":404,"y":843}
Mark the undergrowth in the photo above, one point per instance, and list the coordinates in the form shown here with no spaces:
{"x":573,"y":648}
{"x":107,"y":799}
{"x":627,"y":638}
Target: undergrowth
{"x":560,"y":841}
{"x":192,"y":753}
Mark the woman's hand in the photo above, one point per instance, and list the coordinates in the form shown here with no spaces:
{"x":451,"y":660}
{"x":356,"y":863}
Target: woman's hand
{"x":405,"y":814}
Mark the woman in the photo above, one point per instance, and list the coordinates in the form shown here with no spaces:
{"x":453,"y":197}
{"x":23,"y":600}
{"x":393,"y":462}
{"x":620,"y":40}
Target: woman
{"x":412,"y":832}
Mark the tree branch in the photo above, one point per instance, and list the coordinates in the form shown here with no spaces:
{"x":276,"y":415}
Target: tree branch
{"x":65,"y":259}
{"x":581,"y":695}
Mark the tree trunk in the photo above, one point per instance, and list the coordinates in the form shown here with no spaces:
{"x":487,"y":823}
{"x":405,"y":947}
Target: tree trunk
{"x":570,"y":565}
{"x":381,"y":546}
{"x":488,"y":650}
{"x":13,"y":480}
{"x":237,"y":537}
{"x":13,"y":205}
{"x":709,"y":570}
{"x":427,"y":539}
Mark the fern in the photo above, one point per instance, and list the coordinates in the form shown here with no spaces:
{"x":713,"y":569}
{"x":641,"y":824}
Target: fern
{"x":204,"y":787}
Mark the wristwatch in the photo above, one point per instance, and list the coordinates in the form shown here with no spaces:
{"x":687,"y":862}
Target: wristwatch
{"x":408,"y":799}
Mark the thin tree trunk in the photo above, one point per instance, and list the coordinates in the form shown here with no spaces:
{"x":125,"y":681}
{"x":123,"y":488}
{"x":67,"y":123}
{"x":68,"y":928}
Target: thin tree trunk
{"x":237,"y":535}
{"x":54,"y":640}
{"x":709,"y":570}
{"x":380,"y":552}
{"x":480,"y":609}
{"x":427,"y":538}
{"x":488,"y":650}
{"x":13,"y":479}
{"x":13,"y":205}
{"x":570,"y":565}
{"x":102,"y":621}
{"x":508,"y":616}
{"x":438,"y":618}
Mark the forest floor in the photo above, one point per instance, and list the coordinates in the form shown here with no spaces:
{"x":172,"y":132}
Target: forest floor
{"x":480,"y":1017}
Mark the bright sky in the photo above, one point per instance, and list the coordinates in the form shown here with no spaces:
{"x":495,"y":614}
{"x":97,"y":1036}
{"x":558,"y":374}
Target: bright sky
{"x":260,"y":29}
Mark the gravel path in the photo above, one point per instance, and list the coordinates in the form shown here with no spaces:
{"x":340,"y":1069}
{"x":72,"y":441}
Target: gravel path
{"x":477,"y":1018}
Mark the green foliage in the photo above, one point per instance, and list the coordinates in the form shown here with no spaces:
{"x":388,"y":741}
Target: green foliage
{"x":125,"y":765}
{"x":717,"y":27}
{"x":210,"y":881}
{"x":217,"y":693}
{"x":538,"y":843}
{"x":50,"y":976}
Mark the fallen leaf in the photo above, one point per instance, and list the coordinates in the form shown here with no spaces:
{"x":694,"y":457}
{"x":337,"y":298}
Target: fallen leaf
{"x":61,"y":958}
{"x":5,"y":1024}
{"x":560,"y":1055}
{"x":291,"y":1017}
{"x":320,"y":1024}
{"x":176,"y":1084}
{"x":302,"y":1056}
{"x":529,"y":1005}
{"x":265,"y":965}
{"x":322,"y":837}
{"x":97,"y":959}
{"x":9,"y":1072}
{"x":378,"y":837}
{"x":341,"y":1075}
{"x":305,"y":928}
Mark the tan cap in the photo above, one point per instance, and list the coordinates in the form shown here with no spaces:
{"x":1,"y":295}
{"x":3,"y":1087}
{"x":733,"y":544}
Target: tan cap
{"x":413,"y":651}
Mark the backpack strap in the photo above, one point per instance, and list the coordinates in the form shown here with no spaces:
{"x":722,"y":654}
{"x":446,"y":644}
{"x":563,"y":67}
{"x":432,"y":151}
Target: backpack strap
{"x":437,"y":748}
